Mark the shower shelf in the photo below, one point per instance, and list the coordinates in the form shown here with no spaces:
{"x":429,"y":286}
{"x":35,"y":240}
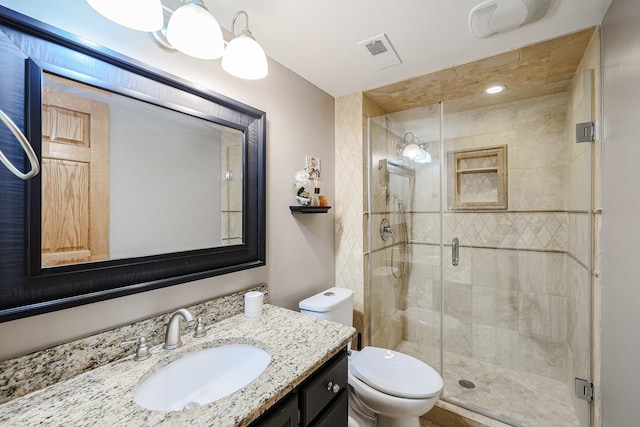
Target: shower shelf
{"x":478,"y":178}
{"x":297,"y":210}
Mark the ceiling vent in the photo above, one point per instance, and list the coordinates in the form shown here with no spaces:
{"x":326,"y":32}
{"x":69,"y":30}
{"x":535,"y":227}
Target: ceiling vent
{"x":379,"y":49}
{"x":497,"y":16}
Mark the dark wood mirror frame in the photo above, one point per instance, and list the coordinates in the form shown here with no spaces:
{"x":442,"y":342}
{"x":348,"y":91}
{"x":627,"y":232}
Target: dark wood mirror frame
{"x":29,"y":47}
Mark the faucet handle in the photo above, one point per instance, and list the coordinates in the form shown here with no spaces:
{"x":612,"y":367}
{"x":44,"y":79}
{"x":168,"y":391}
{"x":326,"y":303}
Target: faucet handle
{"x":200,"y":331}
{"x":142,"y":352}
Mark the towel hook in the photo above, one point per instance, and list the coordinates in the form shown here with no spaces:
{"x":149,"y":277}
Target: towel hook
{"x":24,"y":142}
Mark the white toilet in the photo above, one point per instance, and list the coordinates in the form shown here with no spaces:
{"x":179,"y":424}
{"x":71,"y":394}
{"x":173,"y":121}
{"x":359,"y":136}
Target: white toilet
{"x":387,"y":385}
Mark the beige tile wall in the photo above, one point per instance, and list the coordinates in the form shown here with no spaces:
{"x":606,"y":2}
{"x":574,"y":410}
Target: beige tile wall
{"x":507,"y":307}
{"x":351,"y":160}
{"x":349,"y":242}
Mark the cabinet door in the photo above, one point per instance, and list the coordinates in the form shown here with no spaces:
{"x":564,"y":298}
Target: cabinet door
{"x":282,"y":415}
{"x":336,"y":414}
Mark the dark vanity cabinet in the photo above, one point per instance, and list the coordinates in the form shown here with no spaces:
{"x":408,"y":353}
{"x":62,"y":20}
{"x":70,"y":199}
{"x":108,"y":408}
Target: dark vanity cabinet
{"x":283,"y":414}
{"x":320,"y":401}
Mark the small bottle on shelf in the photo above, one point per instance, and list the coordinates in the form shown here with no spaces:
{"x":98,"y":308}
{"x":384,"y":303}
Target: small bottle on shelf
{"x":315,"y":199}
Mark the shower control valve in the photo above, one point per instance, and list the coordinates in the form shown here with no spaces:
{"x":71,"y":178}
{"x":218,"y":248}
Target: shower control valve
{"x":385,"y":229}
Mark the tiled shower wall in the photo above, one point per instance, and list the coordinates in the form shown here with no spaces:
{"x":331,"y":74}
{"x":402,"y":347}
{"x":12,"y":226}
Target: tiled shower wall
{"x":351,"y":114}
{"x":507,"y":302}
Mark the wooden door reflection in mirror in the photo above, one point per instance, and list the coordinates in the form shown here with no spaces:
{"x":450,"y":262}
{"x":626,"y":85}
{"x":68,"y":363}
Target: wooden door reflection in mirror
{"x":75,"y":178}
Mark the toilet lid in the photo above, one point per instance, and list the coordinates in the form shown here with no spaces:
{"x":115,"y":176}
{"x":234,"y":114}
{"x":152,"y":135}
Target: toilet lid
{"x":395,"y":373}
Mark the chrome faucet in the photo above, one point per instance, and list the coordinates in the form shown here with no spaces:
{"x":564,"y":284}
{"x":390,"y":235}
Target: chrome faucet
{"x":172,"y":337}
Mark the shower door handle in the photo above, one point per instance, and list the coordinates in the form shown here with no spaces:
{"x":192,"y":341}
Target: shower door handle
{"x":455,"y":251}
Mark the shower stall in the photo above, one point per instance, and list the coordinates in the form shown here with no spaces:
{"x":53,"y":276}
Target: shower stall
{"x":479,"y":260}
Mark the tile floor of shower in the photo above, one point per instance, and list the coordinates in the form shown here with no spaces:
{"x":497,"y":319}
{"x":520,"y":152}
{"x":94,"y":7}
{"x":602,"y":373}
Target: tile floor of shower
{"x":516,"y":397}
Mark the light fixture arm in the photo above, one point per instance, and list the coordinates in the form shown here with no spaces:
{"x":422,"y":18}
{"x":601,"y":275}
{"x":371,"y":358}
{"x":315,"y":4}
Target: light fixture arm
{"x":245,"y":31}
{"x":160,"y":37}
{"x":413,"y":138}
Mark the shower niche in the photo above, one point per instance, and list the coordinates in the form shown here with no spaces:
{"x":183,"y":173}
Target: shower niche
{"x":478,"y":178}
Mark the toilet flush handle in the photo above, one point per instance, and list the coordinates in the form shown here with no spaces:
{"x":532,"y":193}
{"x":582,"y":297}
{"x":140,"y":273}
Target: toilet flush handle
{"x":335,"y":388}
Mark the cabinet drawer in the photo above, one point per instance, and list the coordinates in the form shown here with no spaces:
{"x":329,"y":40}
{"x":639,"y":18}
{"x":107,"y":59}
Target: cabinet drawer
{"x":321,"y":389}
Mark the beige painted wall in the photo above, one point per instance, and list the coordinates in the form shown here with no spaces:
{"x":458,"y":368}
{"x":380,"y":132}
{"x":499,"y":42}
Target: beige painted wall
{"x":300,"y":250}
{"x":621,"y":210}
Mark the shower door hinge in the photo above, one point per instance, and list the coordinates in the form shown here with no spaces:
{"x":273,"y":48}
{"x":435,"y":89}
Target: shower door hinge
{"x":584,"y":390}
{"x":585,"y":132}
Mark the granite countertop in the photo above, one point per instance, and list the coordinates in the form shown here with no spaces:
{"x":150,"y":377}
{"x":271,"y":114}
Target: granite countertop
{"x":298,"y":345}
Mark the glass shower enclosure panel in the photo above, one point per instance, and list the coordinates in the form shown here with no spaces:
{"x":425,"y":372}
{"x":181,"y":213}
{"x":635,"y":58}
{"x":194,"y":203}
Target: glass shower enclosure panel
{"x":404,"y":233}
{"x":480,"y":260}
{"x":517,"y":256}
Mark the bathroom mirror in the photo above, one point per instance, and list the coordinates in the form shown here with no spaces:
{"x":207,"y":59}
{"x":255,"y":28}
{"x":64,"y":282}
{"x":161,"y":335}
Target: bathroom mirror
{"x":117,"y":174}
{"x":147,"y":181}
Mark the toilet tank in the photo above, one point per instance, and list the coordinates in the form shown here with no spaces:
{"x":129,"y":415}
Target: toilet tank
{"x":334,"y":304}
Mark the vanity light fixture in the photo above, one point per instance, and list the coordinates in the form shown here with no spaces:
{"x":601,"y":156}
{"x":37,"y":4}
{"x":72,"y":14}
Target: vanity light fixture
{"x":494,"y":89}
{"x":414,"y":149}
{"x":192,"y":30}
{"x":244,"y":57}
{"x":141,"y":15}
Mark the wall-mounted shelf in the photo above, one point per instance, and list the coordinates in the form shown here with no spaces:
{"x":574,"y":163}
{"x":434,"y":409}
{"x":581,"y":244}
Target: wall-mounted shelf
{"x":298,"y":210}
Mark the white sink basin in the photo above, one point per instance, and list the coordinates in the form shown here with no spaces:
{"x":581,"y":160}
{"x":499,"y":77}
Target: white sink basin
{"x":202,"y":377}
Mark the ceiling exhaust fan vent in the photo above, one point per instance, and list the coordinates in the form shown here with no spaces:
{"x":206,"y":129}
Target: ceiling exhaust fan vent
{"x":380,"y":51}
{"x":376,"y":47}
{"x":497,"y":16}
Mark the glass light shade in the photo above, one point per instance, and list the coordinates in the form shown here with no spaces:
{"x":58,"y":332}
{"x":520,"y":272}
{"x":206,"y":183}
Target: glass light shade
{"x":426,"y":157}
{"x":141,"y":15}
{"x":412,"y":151}
{"x":194,"y":31}
{"x":416,"y":153}
{"x":245,"y":58}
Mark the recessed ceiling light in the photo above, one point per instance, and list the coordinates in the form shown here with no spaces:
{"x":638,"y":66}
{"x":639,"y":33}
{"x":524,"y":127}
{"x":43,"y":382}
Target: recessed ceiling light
{"x":495,"y":89}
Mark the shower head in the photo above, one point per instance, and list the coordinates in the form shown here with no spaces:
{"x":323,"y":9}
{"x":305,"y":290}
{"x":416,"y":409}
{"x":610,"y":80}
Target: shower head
{"x":387,"y":123}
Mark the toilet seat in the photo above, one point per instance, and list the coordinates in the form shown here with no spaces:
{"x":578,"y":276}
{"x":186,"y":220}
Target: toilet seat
{"x":395,"y":373}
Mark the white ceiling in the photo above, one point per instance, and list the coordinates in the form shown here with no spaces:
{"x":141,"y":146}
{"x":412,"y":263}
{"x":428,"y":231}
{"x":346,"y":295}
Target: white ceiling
{"x":318,"y":39}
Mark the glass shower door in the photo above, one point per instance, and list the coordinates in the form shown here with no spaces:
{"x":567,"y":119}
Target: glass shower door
{"x":517,"y":217}
{"x":507,"y":194}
